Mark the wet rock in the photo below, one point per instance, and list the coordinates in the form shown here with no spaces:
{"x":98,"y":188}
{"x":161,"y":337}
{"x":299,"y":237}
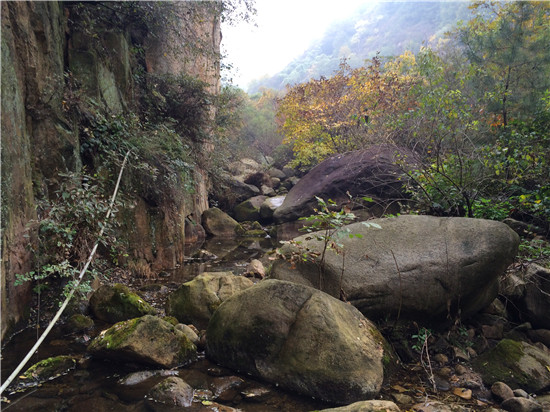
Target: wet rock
{"x":218,"y":223}
{"x":227,"y":388}
{"x":195,"y":301}
{"x":366,"y":406}
{"x":256,"y":394}
{"x":115,"y":303}
{"x":148,"y":340}
{"x":442,"y":264}
{"x":303,"y":340}
{"x":79,"y":323}
{"x":521,"y":405}
{"x":172,"y":391}
{"x":249,"y":210}
{"x":518,"y":364}
{"x":48,"y":369}
{"x":255,"y":269}
{"x":136,"y":378}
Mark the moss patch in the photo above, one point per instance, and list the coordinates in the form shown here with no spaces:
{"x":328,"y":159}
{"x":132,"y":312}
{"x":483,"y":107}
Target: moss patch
{"x":50,"y":368}
{"x":515,"y":363}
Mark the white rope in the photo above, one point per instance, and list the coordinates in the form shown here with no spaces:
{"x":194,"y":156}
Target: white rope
{"x":68,"y":298}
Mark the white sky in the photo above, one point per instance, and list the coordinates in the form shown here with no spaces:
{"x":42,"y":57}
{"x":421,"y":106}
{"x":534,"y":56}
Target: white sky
{"x":285,"y":28}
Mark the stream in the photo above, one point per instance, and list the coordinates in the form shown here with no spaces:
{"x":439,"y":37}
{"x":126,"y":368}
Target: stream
{"x":95,"y":385}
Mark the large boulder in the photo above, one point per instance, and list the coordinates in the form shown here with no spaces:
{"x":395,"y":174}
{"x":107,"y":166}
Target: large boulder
{"x":115,"y":303}
{"x":413,"y":267}
{"x":149,"y":340}
{"x":218,"y":223}
{"x":301,"y":339}
{"x":518,"y":364}
{"x":195,"y":301}
{"x":374,"y":172}
{"x":249,"y":210}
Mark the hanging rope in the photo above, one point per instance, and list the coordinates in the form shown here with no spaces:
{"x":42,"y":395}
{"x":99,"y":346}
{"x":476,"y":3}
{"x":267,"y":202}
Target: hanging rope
{"x":70,"y":295}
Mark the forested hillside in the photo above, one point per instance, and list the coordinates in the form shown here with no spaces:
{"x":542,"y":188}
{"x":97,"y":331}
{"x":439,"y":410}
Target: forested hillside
{"x":388,"y":28}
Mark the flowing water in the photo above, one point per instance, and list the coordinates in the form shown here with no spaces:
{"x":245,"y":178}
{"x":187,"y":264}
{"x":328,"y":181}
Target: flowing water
{"x":95,"y":385}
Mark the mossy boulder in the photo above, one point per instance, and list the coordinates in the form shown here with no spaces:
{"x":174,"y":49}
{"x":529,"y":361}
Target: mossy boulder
{"x":115,"y":303}
{"x":172,"y":391}
{"x":48,"y":369}
{"x":148,"y":339}
{"x":249,"y":210}
{"x":301,"y":339}
{"x":79,"y":323}
{"x":518,"y":364}
{"x":195,"y":301}
{"x":218,"y":223}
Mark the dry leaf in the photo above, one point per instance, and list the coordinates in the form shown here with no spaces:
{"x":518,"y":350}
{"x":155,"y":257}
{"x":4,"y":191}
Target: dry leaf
{"x":399,"y":388}
{"x":463,"y":393}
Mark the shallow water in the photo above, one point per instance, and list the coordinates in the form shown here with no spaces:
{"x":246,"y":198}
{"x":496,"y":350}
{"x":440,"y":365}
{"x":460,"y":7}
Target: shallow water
{"x":94,"y":384}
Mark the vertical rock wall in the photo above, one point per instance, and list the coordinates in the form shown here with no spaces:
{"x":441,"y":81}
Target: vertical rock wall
{"x":40,"y":46}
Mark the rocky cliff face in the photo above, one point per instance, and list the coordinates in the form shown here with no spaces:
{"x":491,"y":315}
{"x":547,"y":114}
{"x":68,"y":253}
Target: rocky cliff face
{"x":50,"y":54}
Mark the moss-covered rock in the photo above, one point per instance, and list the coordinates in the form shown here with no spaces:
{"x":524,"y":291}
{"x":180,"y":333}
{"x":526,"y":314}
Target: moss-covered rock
{"x":195,"y":301}
{"x":218,"y":223}
{"x":518,"y":364}
{"x":172,"y":391}
{"x":79,"y":323}
{"x":302,"y":339}
{"x":49,"y":368}
{"x":115,"y":303}
{"x":148,"y":340}
{"x":249,"y":210}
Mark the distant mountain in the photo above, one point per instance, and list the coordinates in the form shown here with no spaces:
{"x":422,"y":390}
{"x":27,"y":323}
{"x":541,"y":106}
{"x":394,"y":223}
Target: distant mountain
{"x":389,"y":28}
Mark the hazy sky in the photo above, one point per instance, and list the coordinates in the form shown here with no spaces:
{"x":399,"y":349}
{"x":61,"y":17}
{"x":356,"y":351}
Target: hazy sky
{"x":285,"y":28}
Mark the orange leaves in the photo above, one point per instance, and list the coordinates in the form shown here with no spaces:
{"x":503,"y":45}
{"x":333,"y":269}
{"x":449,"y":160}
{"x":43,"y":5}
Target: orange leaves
{"x":339,"y":113}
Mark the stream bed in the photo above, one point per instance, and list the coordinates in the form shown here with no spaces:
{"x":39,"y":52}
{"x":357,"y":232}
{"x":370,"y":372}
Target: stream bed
{"x":97,"y":385}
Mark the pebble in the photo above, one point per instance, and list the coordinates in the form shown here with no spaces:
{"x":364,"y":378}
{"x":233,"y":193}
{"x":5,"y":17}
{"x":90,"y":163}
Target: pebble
{"x":441,"y":383}
{"x":446,"y":372}
{"x":520,"y":393}
{"x":441,"y":358}
{"x":520,"y":405}
{"x":501,"y":391}
{"x":461,"y":369}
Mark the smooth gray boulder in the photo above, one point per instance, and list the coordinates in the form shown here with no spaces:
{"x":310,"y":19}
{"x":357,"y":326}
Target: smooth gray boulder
{"x":301,"y":339}
{"x":149,"y":340}
{"x":415,"y":267}
{"x":195,"y":301}
{"x":374,"y":172}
